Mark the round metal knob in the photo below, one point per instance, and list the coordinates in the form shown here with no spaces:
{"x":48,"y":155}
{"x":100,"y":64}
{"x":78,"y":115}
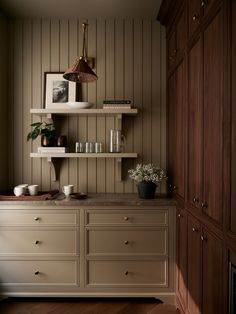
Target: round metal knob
{"x":36,"y":242}
{"x":36,"y":218}
{"x":175,"y":188}
{"x":126,"y":218}
{"x":203,"y":238}
{"x":36,"y":272}
{"x":179,"y":215}
{"x":126,"y":242}
{"x":195,"y":199}
{"x":204,"y":3}
{"x":126,"y":272}
{"x":195,"y":17}
{"x":194,"y":230}
{"x":204,"y":205}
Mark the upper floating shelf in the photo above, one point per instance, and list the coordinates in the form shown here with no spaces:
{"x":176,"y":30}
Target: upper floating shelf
{"x":85,"y":112}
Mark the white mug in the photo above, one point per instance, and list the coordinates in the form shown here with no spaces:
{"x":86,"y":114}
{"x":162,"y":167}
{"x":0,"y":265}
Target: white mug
{"x":33,"y":189}
{"x":68,"y":189}
{"x":18,"y":190}
{"x":24,"y":186}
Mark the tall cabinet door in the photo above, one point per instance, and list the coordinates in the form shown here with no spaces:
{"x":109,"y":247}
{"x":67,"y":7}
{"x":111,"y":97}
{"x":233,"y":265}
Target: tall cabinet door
{"x":180,"y":124}
{"x":171,"y":129}
{"x":212,"y":293}
{"x":194,"y":266}
{"x":195,"y":125}
{"x":181,"y":256}
{"x":213,"y":118}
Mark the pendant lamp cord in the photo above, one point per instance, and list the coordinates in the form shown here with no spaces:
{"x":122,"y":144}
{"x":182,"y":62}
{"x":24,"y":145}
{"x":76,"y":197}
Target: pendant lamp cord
{"x":85,"y":48}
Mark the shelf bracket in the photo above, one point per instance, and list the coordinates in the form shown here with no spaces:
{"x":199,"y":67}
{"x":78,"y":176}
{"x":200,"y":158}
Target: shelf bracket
{"x":118,"y":169}
{"x":53,"y":168}
{"x":49,"y":117}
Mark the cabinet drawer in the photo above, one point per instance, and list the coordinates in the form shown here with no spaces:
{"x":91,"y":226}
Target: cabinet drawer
{"x":38,"y":272}
{"x":37,"y":217}
{"x":37,"y":241}
{"x":121,"y":273}
{"x":127,"y":217}
{"x":127,"y":241}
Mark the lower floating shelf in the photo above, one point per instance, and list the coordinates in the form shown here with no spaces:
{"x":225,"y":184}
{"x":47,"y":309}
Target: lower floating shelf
{"x":51,"y":157}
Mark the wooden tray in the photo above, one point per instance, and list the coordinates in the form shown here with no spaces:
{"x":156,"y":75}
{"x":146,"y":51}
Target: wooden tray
{"x":42,"y":196}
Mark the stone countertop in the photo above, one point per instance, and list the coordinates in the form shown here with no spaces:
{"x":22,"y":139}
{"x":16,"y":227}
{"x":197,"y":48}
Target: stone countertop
{"x":124,"y":199}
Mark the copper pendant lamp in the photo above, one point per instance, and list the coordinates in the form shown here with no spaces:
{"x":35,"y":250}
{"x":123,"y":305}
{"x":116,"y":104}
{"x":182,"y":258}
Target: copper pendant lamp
{"x":80,"y":71}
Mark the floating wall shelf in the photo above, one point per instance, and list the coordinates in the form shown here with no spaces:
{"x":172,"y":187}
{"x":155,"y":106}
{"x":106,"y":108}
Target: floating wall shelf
{"x":52,"y":157}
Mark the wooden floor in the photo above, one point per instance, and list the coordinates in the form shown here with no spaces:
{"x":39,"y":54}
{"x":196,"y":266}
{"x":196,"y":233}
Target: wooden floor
{"x":84,"y":306}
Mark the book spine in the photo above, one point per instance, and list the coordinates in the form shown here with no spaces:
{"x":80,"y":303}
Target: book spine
{"x":117,"y":101}
{"x":123,"y":106}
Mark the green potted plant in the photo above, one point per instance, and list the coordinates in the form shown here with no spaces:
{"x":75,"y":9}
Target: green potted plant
{"x":47,"y":131}
{"x":147,"y":176}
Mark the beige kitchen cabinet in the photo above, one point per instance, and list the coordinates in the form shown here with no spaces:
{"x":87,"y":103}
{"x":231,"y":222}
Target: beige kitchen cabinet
{"x":74,"y":250}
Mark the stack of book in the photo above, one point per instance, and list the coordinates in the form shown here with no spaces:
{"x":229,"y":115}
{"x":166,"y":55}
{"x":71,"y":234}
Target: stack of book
{"x":46,"y":150}
{"x":117,"y":104}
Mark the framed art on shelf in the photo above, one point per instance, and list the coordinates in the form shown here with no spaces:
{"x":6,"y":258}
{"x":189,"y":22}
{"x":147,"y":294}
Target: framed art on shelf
{"x":58,"y":91}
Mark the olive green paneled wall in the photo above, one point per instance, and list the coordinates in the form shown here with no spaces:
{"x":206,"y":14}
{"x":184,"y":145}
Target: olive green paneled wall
{"x":130,"y":63}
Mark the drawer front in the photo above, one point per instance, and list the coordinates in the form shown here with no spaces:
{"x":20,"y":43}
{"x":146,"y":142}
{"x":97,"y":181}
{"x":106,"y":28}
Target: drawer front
{"x":127,"y":217}
{"x":118,"y":273}
{"x":37,"y":241}
{"x":38,"y":272}
{"x":127,"y":241}
{"x":37,"y":217}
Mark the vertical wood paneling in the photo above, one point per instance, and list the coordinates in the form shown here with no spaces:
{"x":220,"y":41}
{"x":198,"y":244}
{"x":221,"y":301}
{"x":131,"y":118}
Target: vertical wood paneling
{"x":101,"y":128}
{"x":26,"y":86}
{"x":129,"y":61}
{"x":37,"y":100}
{"x":18,"y":105}
{"x":110,"y":67}
{"x":73,"y":125}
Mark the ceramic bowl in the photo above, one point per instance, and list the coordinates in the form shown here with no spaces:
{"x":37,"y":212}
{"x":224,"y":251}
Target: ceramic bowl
{"x":79,"y":104}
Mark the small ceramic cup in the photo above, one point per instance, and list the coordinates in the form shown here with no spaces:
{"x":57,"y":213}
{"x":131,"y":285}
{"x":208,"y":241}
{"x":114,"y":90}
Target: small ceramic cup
{"x":33,"y":189}
{"x":68,"y":189}
{"x":18,"y":190}
{"x":24,"y":186}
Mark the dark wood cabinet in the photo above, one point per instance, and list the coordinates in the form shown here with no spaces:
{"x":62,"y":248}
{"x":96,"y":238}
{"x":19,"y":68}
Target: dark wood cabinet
{"x":194,"y":147}
{"x":194,"y":266}
{"x":205,"y":263}
{"x":181,"y":256}
{"x":176,"y":131}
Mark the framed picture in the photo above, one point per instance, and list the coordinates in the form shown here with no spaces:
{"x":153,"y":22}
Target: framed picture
{"x":58,"y":91}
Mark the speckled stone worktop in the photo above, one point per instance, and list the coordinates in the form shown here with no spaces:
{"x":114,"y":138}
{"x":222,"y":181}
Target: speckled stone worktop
{"x":97,"y":200}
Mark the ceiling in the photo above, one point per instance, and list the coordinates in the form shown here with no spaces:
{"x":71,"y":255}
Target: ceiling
{"x":89,"y":9}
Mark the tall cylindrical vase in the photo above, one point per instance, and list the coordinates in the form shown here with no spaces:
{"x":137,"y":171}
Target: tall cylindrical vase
{"x":146,"y":190}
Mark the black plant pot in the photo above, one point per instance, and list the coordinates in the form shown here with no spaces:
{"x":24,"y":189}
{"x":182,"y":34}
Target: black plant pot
{"x":146,"y":189}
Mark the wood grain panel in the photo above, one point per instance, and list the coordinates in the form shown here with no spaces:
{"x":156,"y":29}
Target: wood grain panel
{"x":129,"y":57}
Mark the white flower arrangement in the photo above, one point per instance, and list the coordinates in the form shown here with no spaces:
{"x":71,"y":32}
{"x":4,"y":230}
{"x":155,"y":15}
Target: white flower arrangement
{"x":148,"y":173}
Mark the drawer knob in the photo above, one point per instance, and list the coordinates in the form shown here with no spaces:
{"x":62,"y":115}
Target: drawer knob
{"x":126,"y":272}
{"x":36,"y":272}
{"x":179,"y":215}
{"x":126,"y":242}
{"x":194,"y":230}
{"x":36,"y":218}
{"x":203,"y":238}
{"x":36,"y":242}
{"x":195,"y":17}
{"x":195,"y":199}
{"x":204,"y":3}
{"x":126,"y":218}
{"x":204,"y":205}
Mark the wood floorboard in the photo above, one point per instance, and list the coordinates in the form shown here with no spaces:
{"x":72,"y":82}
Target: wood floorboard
{"x":84,"y":306}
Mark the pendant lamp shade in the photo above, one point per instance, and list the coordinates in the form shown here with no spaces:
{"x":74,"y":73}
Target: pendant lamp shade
{"x":80,"y":71}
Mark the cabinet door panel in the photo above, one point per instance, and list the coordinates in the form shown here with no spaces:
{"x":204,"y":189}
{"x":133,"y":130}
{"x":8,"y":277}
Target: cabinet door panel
{"x":233,"y":127}
{"x":181,"y":263}
{"x":212,"y":274}
{"x":194,"y":14}
{"x":213,"y":118}
{"x":195,"y":125}
{"x":194,"y":266}
{"x":171,"y":129}
{"x":180,"y":130}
